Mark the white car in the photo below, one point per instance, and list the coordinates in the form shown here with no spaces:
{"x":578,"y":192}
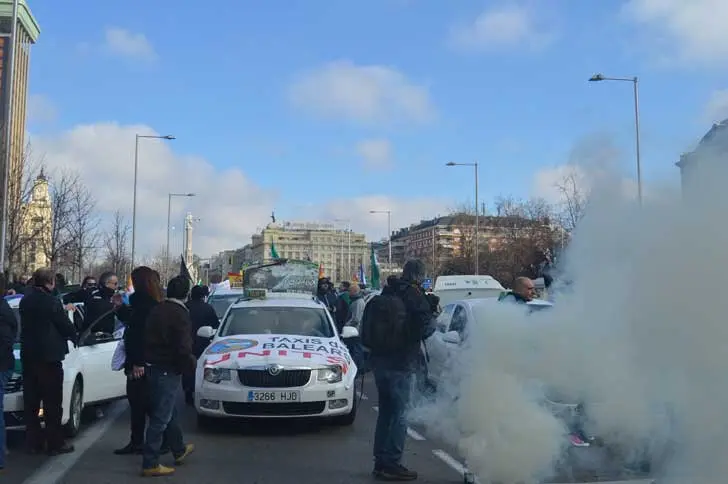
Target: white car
{"x":222,"y":299}
{"x":276,"y":356}
{"x":451,"y":324}
{"x":87,"y":375}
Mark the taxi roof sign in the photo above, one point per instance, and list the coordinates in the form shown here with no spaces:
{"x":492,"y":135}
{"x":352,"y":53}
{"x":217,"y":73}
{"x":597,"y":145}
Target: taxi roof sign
{"x":256,"y":293}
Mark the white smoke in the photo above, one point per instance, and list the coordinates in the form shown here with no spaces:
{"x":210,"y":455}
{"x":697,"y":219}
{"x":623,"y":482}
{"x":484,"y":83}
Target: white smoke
{"x":640,"y":336}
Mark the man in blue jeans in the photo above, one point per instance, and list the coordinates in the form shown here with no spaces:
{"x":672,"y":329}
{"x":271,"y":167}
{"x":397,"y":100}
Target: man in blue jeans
{"x":8,"y":335}
{"x":168,"y":354}
{"x":394,"y":367}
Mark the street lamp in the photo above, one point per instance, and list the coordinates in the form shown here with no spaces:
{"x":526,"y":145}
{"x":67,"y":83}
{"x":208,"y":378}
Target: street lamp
{"x":136,"y":171}
{"x":389,"y":232}
{"x":477,"y":215}
{"x":169,"y":221}
{"x":635,"y":84}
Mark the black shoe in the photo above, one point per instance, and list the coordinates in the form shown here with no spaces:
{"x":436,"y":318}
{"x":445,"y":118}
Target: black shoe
{"x":129,"y":449}
{"x":398,"y":473}
{"x":64,"y":449}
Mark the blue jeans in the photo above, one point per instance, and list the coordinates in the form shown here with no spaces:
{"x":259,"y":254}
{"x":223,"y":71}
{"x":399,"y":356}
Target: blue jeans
{"x":164,"y":387}
{"x":4,"y":377}
{"x":394,"y":388}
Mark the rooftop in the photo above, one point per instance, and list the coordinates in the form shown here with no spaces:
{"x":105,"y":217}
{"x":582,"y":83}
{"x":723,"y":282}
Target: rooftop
{"x":25,"y":16}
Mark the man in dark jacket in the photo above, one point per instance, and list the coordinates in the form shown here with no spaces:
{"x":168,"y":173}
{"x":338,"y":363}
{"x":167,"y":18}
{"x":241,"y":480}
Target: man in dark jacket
{"x":8,"y":335}
{"x":394,"y":374}
{"x":341,"y":316}
{"x":201,"y":314}
{"x":45,"y":331}
{"x":168,"y":355}
{"x":88,"y":285}
{"x":100,"y":305}
{"x":325,"y":294}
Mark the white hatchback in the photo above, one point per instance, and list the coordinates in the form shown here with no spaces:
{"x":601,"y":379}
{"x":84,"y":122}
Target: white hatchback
{"x":276,"y":356}
{"x":87,"y":375}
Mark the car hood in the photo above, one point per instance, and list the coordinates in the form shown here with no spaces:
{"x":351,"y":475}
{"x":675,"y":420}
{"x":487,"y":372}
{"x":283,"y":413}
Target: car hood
{"x":236,"y":352}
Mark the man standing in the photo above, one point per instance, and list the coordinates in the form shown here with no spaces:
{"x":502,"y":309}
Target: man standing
{"x":101,"y":304}
{"x":8,"y":334}
{"x":45,"y":330}
{"x":168,"y":355}
{"x":201,"y":314}
{"x":523,"y":291}
{"x":393,"y":327}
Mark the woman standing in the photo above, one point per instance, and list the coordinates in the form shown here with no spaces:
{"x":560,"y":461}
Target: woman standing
{"x":147,"y":295}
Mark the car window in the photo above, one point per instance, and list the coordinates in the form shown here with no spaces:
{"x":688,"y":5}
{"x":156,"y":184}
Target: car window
{"x":278,"y":320}
{"x":444,"y":318}
{"x":459,"y":320}
{"x":221,"y":302}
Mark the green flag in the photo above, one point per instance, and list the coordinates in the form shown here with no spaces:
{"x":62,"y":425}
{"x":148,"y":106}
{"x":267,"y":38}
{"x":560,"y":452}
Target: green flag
{"x":374,"y":280}
{"x":273,"y":251}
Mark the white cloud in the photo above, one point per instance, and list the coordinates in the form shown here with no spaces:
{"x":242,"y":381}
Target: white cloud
{"x":690,"y":30}
{"x":717,"y":107}
{"x":370,"y":93}
{"x":40,"y":109}
{"x":128,"y":44}
{"x":375,"y":153}
{"x":506,"y":26}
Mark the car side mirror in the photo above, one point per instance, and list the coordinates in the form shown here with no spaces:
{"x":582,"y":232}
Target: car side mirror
{"x":207,"y":332}
{"x":452,"y":337}
{"x":349,"y":332}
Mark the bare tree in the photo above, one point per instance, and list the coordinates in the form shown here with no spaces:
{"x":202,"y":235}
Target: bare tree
{"x":573,"y":201}
{"x":59,"y":241}
{"x":116,"y":241}
{"x":83,"y":224}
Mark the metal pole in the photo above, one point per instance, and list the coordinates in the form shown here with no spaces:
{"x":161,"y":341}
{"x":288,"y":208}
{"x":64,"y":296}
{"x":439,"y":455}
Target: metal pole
{"x":133,"y":212}
{"x":166,"y":252}
{"x":389,"y":230}
{"x":637,"y":138}
{"x":348,"y":253}
{"x":477,"y":223}
{"x":341,"y":260}
{"x":9,"y":96}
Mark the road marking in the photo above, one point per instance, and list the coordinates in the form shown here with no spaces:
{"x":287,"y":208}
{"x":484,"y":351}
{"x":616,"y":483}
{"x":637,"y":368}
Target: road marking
{"x":412,"y":433}
{"x":53,"y":471}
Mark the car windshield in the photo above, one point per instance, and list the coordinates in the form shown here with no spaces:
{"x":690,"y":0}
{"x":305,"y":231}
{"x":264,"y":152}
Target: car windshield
{"x":222,"y":302}
{"x":278,"y":320}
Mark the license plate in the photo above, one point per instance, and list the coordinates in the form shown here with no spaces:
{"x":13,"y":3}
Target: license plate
{"x":274,"y":396}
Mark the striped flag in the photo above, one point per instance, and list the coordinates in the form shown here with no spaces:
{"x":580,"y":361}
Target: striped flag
{"x":362,"y":274}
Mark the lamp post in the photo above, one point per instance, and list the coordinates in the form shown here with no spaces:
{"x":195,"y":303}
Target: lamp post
{"x":389,"y":233}
{"x":477,"y":214}
{"x":169,"y":222}
{"x":136,"y":171}
{"x":635,"y":85}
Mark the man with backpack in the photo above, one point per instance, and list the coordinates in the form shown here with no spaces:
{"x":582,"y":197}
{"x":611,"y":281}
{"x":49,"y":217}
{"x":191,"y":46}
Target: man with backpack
{"x":393,"y":327}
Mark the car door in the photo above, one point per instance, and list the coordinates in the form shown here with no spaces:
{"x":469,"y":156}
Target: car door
{"x":458,"y":323}
{"x":96,"y":347}
{"x":435,"y":346}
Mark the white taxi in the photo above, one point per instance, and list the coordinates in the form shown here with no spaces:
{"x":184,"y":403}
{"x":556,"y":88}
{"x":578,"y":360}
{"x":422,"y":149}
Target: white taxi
{"x":87,"y":375}
{"x":276,"y":355}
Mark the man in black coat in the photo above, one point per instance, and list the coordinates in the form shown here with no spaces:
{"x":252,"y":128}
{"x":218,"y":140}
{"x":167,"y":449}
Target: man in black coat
{"x":45,"y":331}
{"x":201,"y":314}
{"x":101,"y":304}
{"x":8,"y":334}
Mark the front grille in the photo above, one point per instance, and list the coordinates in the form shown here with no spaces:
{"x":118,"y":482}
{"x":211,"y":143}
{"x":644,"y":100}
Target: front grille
{"x":280,"y":409}
{"x":263,"y":379}
{"x":15,"y":384}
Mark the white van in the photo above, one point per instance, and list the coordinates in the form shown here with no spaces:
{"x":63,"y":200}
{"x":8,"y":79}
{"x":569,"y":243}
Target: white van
{"x":457,"y":288}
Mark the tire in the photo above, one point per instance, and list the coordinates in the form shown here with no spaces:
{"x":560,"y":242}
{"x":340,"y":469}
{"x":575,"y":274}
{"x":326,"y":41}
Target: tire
{"x":75,"y":410}
{"x":349,"y":418}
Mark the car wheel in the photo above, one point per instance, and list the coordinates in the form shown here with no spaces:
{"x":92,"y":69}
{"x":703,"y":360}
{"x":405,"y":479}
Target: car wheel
{"x":348,"y":419}
{"x":73,"y":426}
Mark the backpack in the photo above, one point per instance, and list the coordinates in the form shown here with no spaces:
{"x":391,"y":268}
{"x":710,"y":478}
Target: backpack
{"x":385,"y":325}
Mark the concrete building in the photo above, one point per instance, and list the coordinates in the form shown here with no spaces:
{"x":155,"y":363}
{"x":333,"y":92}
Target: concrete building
{"x":36,"y":229}
{"x":27,"y":34}
{"x":713,"y":145}
{"x":339,"y":251}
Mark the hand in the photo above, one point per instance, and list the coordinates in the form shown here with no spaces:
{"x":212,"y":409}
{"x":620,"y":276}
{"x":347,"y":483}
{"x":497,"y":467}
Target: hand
{"x":70,"y":307}
{"x":117,"y":300}
{"x":137,"y":372}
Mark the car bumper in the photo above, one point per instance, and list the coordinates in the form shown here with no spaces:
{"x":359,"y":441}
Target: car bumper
{"x":228,"y":401}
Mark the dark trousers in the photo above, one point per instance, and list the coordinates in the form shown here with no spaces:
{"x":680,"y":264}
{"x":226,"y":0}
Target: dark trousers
{"x":164,"y":387}
{"x":136,"y":393}
{"x":393,"y":388}
{"x":43,"y":382}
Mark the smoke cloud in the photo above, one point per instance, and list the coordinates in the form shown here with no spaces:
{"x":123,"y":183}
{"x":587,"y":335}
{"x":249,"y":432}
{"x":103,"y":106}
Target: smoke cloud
{"x":638,"y":334}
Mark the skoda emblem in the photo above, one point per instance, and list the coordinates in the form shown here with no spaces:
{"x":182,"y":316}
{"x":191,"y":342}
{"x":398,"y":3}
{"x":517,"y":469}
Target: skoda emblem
{"x":275,"y":370}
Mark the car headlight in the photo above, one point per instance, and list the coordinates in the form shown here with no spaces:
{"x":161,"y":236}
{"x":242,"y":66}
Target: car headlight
{"x":217,"y":375}
{"x":331,"y":374}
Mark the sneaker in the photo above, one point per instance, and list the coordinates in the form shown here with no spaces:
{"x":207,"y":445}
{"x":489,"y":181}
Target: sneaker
{"x":398,"y":473}
{"x":179,"y":459}
{"x":159,"y":471}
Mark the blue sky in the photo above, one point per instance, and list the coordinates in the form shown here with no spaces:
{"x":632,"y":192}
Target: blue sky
{"x":413,"y":84}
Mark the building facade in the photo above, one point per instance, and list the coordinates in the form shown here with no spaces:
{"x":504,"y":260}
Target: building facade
{"x":36,"y":228}
{"x":712,"y":146}
{"x":340,"y":251}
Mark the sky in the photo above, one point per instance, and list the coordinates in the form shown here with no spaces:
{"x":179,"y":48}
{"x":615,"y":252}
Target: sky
{"x":324,"y":111}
